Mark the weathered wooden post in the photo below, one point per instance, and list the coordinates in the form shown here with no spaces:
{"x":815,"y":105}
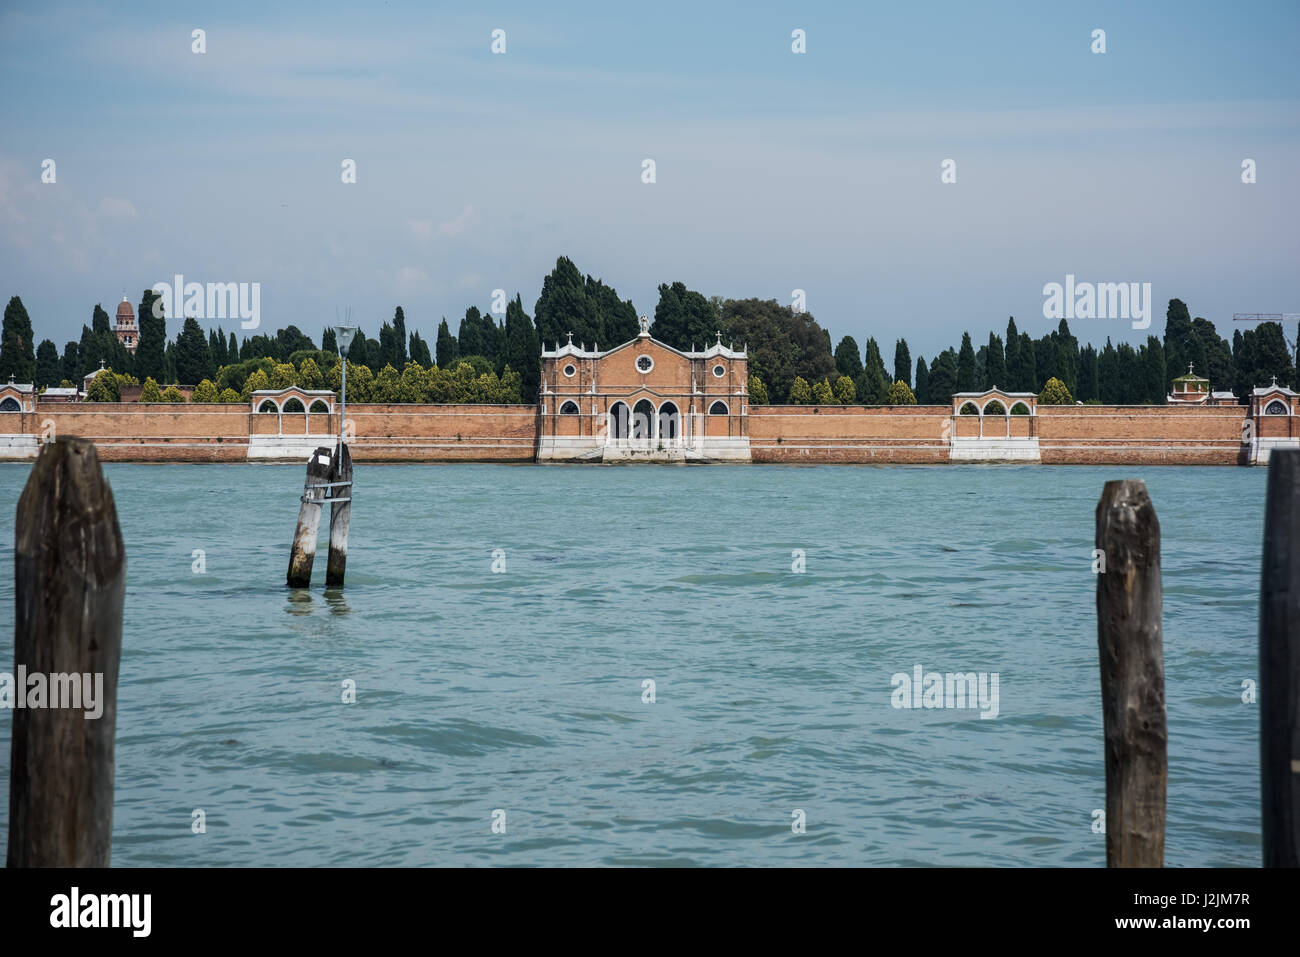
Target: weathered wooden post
{"x":1130,"y":641}
{"x":1279,"y":663}
{"x":340,"y":516}
{"x":303,"y":553}
{"x":70,"y":579}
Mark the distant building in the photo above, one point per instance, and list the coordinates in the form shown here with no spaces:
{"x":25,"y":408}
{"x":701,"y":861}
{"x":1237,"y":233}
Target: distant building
{"x":60,"y":394}
{"x":644,"y":400}
{"x":1190,"y":389}
{"x":127,"y":332}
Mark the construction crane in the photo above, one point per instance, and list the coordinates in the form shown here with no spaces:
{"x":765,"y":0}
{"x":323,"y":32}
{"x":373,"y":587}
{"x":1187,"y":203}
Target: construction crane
{"x":1279,"y":318}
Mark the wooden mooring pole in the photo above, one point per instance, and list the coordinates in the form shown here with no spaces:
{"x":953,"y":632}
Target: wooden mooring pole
{"x":1279,"y":663}
{"x":340,"y":517}
{"x":303,"y":554}
{"x":70,"y":580}
{"x":1130,"y":642}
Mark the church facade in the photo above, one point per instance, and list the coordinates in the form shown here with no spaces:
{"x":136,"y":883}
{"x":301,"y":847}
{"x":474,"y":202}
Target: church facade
{"x":643,"y":401}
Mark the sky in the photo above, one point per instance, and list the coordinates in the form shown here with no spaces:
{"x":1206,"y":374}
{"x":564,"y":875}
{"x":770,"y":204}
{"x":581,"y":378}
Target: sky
{"x":774,"y":171}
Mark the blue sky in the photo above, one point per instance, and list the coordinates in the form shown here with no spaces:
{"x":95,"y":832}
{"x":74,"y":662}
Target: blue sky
{"x":775,"y":171}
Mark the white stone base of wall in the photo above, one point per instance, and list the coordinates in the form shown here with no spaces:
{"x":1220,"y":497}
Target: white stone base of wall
{"x":287,"y":448}
{"x":19,"y":448}
{"x":993,"y":450}
{"x":584,"y":449}
{"x":1260,"y":448}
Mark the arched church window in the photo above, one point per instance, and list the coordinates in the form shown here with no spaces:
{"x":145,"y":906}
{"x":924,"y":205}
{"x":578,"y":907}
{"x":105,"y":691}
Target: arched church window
{"x":569,"y":408}
{"x":1276,"y":407}
{"x":719,"y":408}
{"x":10,"y":404}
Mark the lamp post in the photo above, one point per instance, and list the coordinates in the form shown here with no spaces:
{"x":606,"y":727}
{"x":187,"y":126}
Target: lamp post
{"x":344,"y":335}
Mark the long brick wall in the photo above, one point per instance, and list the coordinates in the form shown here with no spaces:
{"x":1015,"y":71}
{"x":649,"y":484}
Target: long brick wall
{"x":509,"y":433}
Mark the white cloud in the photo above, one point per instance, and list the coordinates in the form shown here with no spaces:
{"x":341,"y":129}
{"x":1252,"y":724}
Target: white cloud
{"x":421,"y":228}
{"x":454,"y":227}
{"x":111,"y":207}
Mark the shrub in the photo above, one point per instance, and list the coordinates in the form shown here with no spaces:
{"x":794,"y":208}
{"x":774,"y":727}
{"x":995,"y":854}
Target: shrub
{"x":150,"y":392}
{"x":822,"y":394}
{"x":757,"y":391}
{"x":172,"y":394}
{"x":229,"y":395}
{"x":205,"y":391}
{"x":1055,"y":393}
{"x":900,"y":394}
{"x":800,"y":394}
{"x":845,"y":393}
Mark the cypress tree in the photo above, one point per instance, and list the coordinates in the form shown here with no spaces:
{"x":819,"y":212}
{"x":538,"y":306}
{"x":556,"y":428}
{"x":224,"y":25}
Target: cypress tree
{"x":523,"y":350}
{"x":420,"y":351}
{"x":563,"y":307}
{"x":873,"y":386}
{"x":470,"y":336}
{"x":903,"y":363}
{"x":47,"y":365}
{"x":17,"y":348}
{"x":329,"y":341}
{"x":1015,"y":377}
{"x":72,"y":363}
{"x":232,"y":351}
{"x":151,"y":356}
{"x":966,"y":365}
{"x":448,"y":350}
{"x":848,"y":360}
{"x":684,"y":318}
{"x":1155,"y":378}
{"x":922,"y":381}
{"x":1028,"y":366}
{"x":99,"y":321}
{"x":943,"y":378}
{"x":399,"y":330}
{"x":995,"y":363}
{"x":192,"y":355}
{"x":1178,"y":332}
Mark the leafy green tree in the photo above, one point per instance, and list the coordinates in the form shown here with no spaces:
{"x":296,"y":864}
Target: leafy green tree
{"x":757,"y":391}
{"x":447,"y":348}
{"x":228,"y":396}
{"x":309,"y":375}
{"x":1055,"y":393}
{"x":900,"y":394}
{"x":283,"y":376}
{"x":782,"y":344}
{"x":206,"y":392}
{"x":800,"y":393}
{"x":257,"y":381}
{"x":17,"y":344}
{"x":822,"y":394}
{"x":150,"y":355}
{"x":172,"y":394}
{"x":291,"y":339}
{"x":150,"y":392}
{"x":844,"y":392}
{"x":903,"y":364}
{"x":848,"y":360}
{"x":966,"y":365}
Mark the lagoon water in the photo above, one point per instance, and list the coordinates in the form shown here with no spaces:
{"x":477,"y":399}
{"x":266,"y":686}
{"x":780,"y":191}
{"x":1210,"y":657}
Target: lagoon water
{"x":523,"y":690}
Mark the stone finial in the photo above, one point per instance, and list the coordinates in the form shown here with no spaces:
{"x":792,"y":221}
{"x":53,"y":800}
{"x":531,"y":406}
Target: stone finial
{"x":570,"y":338}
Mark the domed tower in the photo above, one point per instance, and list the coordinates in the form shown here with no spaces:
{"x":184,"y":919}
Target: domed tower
{"x":127,"y":333}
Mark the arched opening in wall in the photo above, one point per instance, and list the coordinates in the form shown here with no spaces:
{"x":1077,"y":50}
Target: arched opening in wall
{"x":619,"y":427}
{"x":294,"y":405}
{"x":968,"y":409}
{"x":10,"y":404}
{"x":670,"y":421}
{"x":994,"y":407}
{"x":643,"y":415}
{"x":1019,"y":408}
{"x":319,"y":406}
{"x":571,"y":408}
{"x":268,"y":406}
{"x":1276,"y":407}
{"x":719,"y":408}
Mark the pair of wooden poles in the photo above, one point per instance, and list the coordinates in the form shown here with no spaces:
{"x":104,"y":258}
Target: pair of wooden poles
{"x":329,"y":479}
